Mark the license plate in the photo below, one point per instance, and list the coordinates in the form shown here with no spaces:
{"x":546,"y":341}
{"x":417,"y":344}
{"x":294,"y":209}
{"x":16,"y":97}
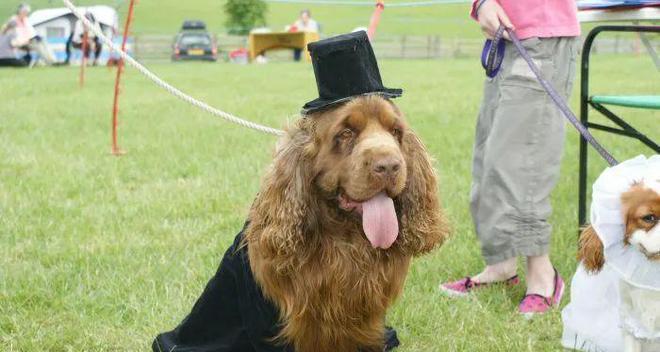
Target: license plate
{"x":196,"y":52}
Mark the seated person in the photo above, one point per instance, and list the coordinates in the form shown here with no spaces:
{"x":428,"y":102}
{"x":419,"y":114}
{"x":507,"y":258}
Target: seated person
{"x":77,"y":36}
{"x":304,"y":24}
{"x":8,"y":45}
{"x":27,"y":39}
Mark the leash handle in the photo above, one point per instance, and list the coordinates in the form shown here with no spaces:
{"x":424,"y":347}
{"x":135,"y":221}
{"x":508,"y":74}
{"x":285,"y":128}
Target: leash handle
{"x":493,"y":55}
{"x":566,"y":111}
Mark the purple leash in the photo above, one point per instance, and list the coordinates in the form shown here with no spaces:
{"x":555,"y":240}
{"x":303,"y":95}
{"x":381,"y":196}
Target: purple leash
{"x":491,"y":59}
{"x":493,"y":54}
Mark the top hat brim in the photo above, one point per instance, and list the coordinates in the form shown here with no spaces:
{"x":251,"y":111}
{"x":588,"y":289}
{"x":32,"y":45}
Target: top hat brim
{"x":322,"y":104}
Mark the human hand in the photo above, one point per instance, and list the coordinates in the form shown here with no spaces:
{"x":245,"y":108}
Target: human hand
{"x":490,"y":16}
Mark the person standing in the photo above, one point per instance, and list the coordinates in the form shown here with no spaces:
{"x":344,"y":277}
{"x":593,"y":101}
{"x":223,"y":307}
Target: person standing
{"x":305,"y":23}
{"x":518,"y":147}
{"x":78,"y":36}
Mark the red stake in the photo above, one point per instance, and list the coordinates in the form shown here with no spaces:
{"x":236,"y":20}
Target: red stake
{"x":83,"y":61}
{"x":375,"y":19}
{"x":120,"y":68}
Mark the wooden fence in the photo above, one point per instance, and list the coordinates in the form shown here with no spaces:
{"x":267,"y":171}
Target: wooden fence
{"x":159,"y":47}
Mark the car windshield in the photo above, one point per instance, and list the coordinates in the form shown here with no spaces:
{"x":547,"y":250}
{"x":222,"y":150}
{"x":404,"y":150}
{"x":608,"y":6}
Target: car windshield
{"x":195,"y":39}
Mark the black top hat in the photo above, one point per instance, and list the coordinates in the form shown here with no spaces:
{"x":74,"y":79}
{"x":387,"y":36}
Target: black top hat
{"x":345,"y":67}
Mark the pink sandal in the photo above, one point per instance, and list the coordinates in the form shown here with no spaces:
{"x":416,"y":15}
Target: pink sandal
{"x":534,"y":303}
{"x":463,"y":286}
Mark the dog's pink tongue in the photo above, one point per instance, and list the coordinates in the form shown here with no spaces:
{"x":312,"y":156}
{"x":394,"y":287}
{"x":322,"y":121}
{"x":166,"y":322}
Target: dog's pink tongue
{"x":379,"y":221}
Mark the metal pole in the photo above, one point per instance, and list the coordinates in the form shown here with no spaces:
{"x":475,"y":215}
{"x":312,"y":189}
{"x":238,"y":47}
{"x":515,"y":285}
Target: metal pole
{"x":120,"y":68}
{"x":83,"y":61}
{"x":375,"y":19}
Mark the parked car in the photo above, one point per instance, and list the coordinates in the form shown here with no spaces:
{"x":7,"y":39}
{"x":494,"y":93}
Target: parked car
{"x":194,"y":42}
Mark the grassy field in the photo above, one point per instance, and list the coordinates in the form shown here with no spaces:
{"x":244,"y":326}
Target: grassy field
{"x":100,"y":253}
{"x":165,"y":16}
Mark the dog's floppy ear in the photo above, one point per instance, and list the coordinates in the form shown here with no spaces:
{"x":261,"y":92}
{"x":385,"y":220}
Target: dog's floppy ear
{"x":285,"y":207}
{"x":591,"y":251}
{"x":630,"y":200}
{"x":423,"y":225}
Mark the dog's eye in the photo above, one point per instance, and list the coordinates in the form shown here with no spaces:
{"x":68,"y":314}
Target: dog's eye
{"x":397,"y":133}
{"x":650,"y":218}
{"x":345,"y":134}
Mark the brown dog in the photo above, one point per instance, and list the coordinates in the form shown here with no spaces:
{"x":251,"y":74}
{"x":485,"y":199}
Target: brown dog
{"x":350,"y":198}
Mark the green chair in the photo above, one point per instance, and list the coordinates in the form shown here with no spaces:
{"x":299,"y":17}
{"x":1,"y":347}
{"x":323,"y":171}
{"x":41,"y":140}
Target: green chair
{"x":599,"y":103}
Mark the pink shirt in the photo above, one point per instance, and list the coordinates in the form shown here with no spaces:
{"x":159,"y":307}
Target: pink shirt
{"x":24,"y":30}
{"x":540,"y":18}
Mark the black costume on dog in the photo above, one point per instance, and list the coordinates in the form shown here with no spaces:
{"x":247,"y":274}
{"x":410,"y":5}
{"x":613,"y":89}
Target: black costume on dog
{"x":232,"y":314}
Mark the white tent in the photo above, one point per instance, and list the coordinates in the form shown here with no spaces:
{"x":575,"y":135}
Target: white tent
{"x":55,"y":25}
{"x":60,"y":21}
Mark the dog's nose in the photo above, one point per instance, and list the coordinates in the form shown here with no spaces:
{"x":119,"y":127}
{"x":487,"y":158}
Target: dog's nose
{"x":387,"y":167}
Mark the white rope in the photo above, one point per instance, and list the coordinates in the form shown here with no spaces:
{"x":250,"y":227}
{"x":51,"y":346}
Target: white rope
{"x":176,"y":92}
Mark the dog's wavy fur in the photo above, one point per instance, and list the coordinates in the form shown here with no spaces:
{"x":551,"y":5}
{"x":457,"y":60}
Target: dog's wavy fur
{"x":591,"y":251}
{"x":312,"y":259}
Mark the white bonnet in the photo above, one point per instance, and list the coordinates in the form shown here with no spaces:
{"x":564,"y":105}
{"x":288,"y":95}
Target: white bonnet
{"x":607,"y":219}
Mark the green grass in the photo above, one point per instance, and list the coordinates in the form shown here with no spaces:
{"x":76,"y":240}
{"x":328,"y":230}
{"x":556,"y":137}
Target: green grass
{"x":101,"y":253}
{"x":166,"y":16}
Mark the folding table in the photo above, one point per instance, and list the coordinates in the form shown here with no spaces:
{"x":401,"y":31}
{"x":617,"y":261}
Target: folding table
{"x":598,"y":11}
